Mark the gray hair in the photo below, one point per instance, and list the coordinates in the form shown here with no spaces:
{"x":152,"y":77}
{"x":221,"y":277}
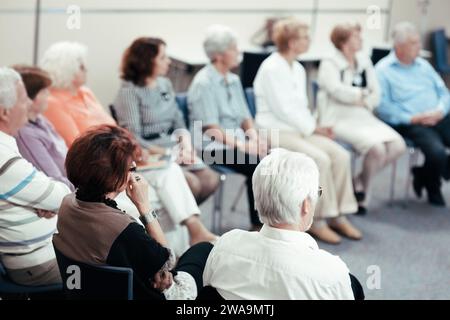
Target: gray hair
{"x":8,"y":87}
{"x":62,"y":61}
{"x":402,"y":31}
{"x":281,"y":183}
{"x":218,"y":39}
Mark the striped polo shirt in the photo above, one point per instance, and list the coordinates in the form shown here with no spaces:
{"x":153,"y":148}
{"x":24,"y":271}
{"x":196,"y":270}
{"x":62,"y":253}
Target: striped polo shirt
{"x":25,"y":239}
{"x":146,"y":112}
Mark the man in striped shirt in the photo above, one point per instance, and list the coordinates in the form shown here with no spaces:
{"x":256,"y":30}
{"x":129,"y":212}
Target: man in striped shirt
{"x":29,"y":199}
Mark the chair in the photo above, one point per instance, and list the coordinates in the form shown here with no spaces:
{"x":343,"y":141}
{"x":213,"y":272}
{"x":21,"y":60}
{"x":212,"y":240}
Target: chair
{"x":113,"y":112}
{"x":378,"y":54}
{"x":11,"y":290}
{"x":96,"y":282}
{"x":440,"y":51}
{"x":251,"y":102}
{"x":216,"y":222}
{"x":209,"y":293}
{"x":249,"y":67}
{"x":354,"y":153}
{"x":182,"y":102}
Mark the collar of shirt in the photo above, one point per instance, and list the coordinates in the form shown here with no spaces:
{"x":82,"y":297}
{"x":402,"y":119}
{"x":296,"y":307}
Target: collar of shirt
{"x":8,"y":141}
{"x":343,"y":64}
{"x":393,"y":60}
{"x":300,"y":238}
{"x":219,"y":78}
{"x":283,"y":62}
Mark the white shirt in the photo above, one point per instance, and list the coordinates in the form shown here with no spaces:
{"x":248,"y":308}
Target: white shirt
{"x":25,"y":239}
{"x":275,"y":264}
{"x":281,"y":96}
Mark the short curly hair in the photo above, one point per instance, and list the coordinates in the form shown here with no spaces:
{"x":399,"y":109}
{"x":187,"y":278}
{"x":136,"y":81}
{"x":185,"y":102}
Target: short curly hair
{"x":342,"y":32}
{"x":138,"y":60}
{"x":63,"y":61}
{"x":286,"y":30}
{"x":98,"y":162}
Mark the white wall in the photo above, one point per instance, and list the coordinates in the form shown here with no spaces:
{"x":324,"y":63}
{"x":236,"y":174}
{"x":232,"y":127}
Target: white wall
{"x":108,"y":26}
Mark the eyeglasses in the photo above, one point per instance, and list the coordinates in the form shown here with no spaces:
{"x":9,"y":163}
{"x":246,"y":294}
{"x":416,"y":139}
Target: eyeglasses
{"x":133,"y":167}
{"x":320,"y":192}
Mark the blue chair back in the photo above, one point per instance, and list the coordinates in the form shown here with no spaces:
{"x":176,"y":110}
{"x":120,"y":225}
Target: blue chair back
{"x":96,"y":282}
{"x":440,"y":47}
{"x":9,"y":288}
{"x":250,"y":96}
{"x":182,"y":102}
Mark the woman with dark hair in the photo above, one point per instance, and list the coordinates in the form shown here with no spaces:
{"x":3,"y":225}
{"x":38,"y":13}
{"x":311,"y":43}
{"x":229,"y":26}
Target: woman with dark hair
{"x":38,"y":140}
{"x":146,"y":106}
{"x":92,"y":229}
{"x":73,"y":109}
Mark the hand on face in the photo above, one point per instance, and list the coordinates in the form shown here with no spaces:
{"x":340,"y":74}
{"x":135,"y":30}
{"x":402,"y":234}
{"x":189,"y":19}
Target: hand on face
{"x":137,"y":191}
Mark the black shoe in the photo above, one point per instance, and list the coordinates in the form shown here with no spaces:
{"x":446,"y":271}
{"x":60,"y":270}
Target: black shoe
{"x":418,"y":181}
{"x":436,"y":199}
{"x":360,"y":196}
{"x":362,"y":211}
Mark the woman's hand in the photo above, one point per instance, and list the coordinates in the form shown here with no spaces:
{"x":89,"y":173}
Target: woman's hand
{"x":162,"y":280}
{"x":45,"y":214}
{"x":186,"y":155}
{"x":326,"y":132}
{"x":137,"y":191}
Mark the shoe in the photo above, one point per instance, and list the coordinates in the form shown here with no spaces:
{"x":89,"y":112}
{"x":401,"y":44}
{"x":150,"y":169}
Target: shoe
{"x":362,"y":211}
{"x":360,"y":196}
{"x":436,"y":199}
{"x":418,"y":181}
{"x":347,"y":230}
{"x":325,"y":234}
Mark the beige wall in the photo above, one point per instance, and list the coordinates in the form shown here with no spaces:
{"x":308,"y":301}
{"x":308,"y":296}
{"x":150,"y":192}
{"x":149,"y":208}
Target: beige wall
{"x":107,"y":30}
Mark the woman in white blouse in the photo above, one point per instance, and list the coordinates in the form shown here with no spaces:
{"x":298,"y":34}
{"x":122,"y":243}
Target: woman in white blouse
{"x":349,"y":92}
{"x":282,"y":103}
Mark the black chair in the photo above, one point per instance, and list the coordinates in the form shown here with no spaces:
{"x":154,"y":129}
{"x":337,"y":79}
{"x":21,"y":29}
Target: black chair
{"x":378,"y":54}
{"x":95,"y":282}
{"x":113,"y":112}
{"x":11,"y":290}
{"x":209,"y":293}
{"x":249,"y":67}
{"x":440,"y":51}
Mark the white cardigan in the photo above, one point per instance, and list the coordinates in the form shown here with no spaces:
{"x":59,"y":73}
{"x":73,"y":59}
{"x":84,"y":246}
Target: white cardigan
{"x":281,"y":97}
{"x":336,"y":92}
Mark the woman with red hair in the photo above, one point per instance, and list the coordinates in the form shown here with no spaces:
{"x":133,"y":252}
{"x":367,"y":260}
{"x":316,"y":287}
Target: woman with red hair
{"x":92,"y":229}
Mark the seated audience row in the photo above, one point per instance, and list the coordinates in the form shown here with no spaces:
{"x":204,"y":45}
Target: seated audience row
{"x":62,"y":155}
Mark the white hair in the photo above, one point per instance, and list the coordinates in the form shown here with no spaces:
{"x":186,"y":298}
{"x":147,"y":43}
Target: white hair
{"x":281,"y":183}
{"x":218,"y":39}
{"x":8,"y":87}
{"x":402,"y":31}
{"x":62,"y":61}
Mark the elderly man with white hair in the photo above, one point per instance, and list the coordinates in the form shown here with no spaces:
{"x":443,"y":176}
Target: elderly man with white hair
{"x":219,"y":109}
{"x":416,"y":103}
{"x":29,"y":199}
{"x":281,"y":261}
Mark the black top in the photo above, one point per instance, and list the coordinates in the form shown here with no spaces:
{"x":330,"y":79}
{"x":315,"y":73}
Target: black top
{"x":134,"y":249}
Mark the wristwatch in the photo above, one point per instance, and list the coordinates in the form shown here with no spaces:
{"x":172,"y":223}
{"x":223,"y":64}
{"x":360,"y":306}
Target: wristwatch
{"x":149,"y":217}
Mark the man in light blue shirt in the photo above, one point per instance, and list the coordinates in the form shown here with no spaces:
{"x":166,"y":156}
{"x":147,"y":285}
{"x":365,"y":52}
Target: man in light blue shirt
{"x":416,"y":102}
